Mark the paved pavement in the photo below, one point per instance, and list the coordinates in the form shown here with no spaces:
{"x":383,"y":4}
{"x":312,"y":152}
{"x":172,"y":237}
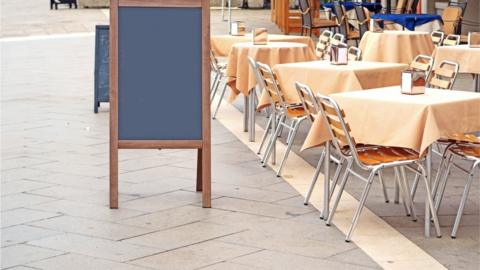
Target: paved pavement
{"x":54,"y":179}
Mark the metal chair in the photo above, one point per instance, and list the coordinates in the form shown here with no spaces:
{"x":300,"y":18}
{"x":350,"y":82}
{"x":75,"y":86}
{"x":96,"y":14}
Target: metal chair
{"x":312,"y":108}
{"x":363,"y":17}
{"x":437,"y":38}
{"x":463,"y":5}
{"x":311,"y":23}
{"x":422,"y":63}
{"x":354,"y":53}
{"x":337,"y":39}
{"x":469,"y":150}
{"x":451,"y":40}
{"x":451,"y":18}
{"x":342,"y":22}
{"x":372,"y":159}
{"x":323,"y":43}
{"x":284,"y":111}
{"x":220,"y":71}
{"x":444,"y":76}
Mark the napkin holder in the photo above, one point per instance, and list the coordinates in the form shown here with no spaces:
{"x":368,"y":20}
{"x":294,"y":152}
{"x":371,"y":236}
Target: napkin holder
{"x":375,"y":26}
{"x":474,"y":39}
{"x":238,"y":28}
{"x":260,"y":36}
{"x":411,"y":83}
{"x":339,"y":54}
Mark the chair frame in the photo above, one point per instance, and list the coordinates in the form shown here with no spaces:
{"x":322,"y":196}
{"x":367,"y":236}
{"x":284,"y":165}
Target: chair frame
{"x":322,"y":52}
{"x":451,"y":40}
{"x":307,"y":18}
{"x":444,"y":172}
{"x":354,"y":53}
{"x":420,"y":66}
{"x":220,"y":75}
{"x":439,"y":34}
{"x":280,"y":117}
{"x":438,"y":75}
{"x":329,"y":111}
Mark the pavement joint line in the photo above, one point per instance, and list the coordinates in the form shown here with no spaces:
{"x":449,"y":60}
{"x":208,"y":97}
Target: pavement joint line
{"x":405,"y":252}
{"x":44,"y":37}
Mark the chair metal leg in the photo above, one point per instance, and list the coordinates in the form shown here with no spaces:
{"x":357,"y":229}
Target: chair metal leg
{"x":315,"y":178}
{"x":442,"y":173}
{"x":290,"y":141}
{"x":245,"y":113}
{"x":384,"y":188}
{"x":431,"y":206}
{"x":268,"y":129}
{"x":215,"y":87}
{"x":336,"y":176}
{"x":363,"y":199}
{"x":396,"y":193}
{"x":463,"y":201}
{"x":251,"y":114}
{"x":343,"y":182}
{"x":220,"y":101}
{"x":414,"y":186}
{"x":402,"y":191}
{"x":444,"y":179}
{"x":406,"y":190}
{"x":273,"y":140}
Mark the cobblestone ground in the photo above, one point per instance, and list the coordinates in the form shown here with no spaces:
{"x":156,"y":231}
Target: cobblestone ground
{"x":54,"y":178}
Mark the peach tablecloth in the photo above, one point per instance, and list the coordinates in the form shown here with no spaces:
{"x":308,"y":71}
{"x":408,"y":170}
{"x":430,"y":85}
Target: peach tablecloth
{"x":384,"y":116}
{"x":468,"y":58}
{"x":325,"y":78}
{"x":222,"y":44}
{"x":240,"y":76}
{"x":395,"y":46}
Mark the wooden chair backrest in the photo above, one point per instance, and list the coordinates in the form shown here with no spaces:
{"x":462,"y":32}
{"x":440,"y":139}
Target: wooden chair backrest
{"x":451,"y":17}
{"x":422,"y":63}
{"x":271,"y":85}
{"x":338,"y":128}
{"x":451,"y":40}
{"x":437,"y":38}
{"x":354,"y":53}
{"x":400,"y":6}
{"x":309,"y":102}
{"x":323,"y":43}
{"x":444,"y":76}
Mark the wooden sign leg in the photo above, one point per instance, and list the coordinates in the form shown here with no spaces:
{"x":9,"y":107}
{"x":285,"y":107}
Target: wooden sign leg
{"x":113,"y":176}
{"x":199,"y":170}
{"x":206,"y":176}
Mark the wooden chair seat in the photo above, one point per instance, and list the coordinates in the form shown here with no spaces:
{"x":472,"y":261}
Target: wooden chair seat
{"x":466,"y":150}
{"x":353,"y":34}
{"x":381,"y":154}
{"x":461,"y":137}
{"x":296,"y":111}
{"x":317,"y":23}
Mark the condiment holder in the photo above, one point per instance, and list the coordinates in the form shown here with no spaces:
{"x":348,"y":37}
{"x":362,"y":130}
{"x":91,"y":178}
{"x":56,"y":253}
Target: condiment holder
{"x":260,"y":36}
{"x":412,"y":82}
{"x":339,"y":54}
{"x":238,"y":28}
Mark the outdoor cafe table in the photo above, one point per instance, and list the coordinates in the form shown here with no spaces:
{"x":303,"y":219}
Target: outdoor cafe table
{"x":412,"y":22}
{"x":468,"y":59}
{"x":240,"y":76}
{"x":386,"y":117}
{"x":326,"y":78}
{"x":395,"y":46}
{"x":222,"y":44}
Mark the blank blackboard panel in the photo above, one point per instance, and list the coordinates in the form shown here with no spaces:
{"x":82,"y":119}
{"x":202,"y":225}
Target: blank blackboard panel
{"x":101,"y":63}
{"x":159,"y":73}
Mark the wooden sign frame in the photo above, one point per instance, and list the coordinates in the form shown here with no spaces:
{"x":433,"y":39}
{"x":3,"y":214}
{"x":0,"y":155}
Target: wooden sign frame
{"x":203,"y":145}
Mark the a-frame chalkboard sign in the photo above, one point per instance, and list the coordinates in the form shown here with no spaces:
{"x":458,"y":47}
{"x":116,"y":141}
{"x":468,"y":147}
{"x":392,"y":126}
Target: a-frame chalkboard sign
{"x":159,"y":81}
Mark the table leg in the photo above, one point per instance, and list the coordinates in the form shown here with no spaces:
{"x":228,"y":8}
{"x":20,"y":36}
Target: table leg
{"x":223,"y":10}
{"x":429,"y":180}
{"x":477,"y":82}
{"x":251,"y":128}
{"x":245,"y":113}
{"x":326,"y":179}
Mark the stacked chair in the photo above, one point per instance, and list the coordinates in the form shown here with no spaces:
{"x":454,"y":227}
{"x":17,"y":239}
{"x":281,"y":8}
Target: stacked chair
{"x":343,"y":26}
{"x":422,"y":63}
{"x":444,"y":76}
{"x":309,"y":23}
{"x":283,"y":116}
